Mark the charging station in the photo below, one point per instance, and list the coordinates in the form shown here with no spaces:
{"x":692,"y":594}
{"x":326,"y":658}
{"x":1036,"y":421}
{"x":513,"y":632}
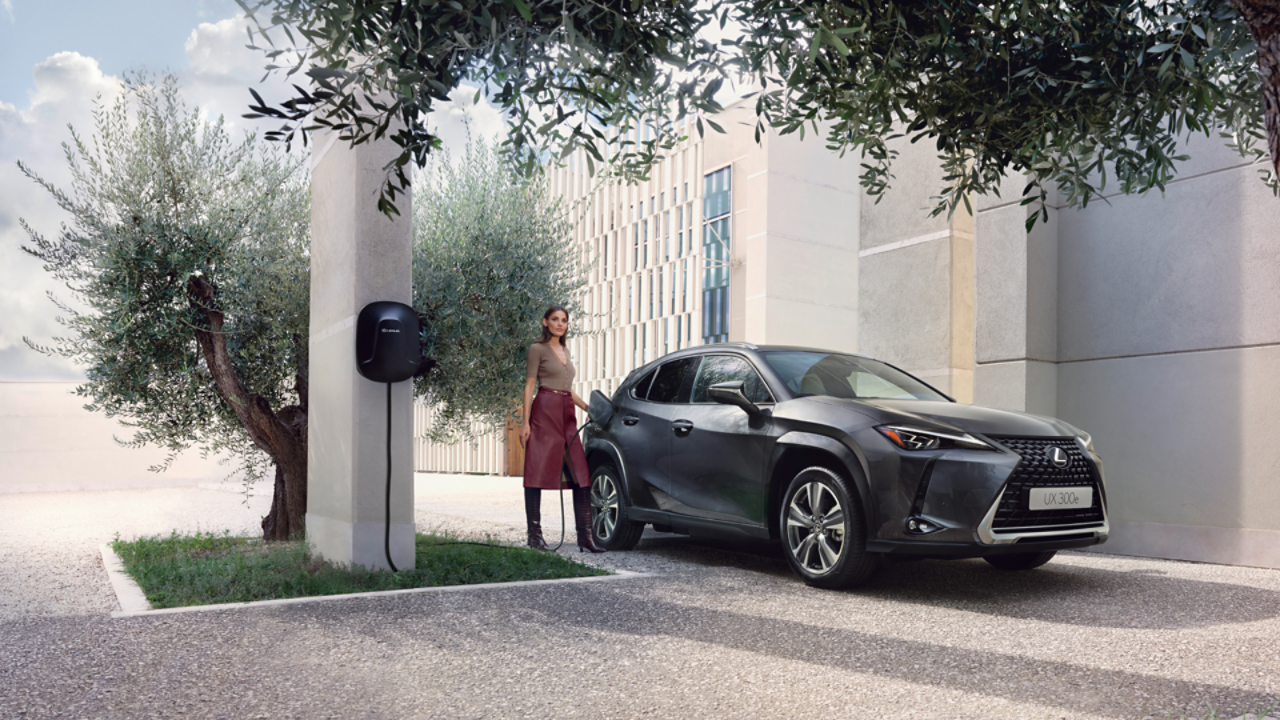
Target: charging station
{"x":387,"y":352}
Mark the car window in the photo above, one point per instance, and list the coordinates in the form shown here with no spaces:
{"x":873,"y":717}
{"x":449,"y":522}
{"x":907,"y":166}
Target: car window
{"x":727,"y":368}
{"x":671,"y":379}
{"x":641,"y":389}
{"x":845,"y":376}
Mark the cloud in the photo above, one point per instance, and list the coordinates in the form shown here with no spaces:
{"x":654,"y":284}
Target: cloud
{"x":65,"y":87}
{"x":8,"y":8}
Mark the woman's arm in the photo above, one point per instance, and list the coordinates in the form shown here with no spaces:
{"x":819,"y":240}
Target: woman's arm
{"x":578,"y":401}
{"x":525,"y":428}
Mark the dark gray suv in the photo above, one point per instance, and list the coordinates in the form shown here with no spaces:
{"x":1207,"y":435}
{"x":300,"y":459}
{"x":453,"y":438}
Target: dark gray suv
{"x":843,"y":459}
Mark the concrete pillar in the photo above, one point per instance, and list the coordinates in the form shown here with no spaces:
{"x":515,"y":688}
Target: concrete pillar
{"x":1016,"y":275}
{"x":358,"y":256}
{"x":915,"y":277}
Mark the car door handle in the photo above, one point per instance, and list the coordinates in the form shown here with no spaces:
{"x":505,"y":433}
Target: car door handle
{"x":630,"y":420}
{"x":681,"y":427}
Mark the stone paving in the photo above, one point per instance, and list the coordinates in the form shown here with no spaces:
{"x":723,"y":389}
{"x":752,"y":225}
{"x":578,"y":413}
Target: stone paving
{"x":715,"y":629}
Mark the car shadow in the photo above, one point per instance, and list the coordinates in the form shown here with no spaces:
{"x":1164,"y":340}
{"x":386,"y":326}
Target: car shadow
{"x":1072,"y":594}
{"x":1059,"y":592}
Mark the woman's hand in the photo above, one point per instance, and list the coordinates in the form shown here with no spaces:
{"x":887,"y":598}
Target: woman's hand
{"x":525,"y":431}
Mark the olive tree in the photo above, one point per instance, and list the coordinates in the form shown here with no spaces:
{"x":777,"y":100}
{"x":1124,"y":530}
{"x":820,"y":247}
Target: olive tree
{"x":186,"y":257}
{"x":1073,"y":94}
{"x":492,"y":251}
{"x":567,"y":73}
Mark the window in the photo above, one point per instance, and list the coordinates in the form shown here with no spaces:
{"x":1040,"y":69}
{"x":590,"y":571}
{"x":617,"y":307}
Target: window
{"x":684,"y":286}
{"x":641,"y":389}
{"x":659,"y":292}
{"x":666,"y":328}
{"x":678,"y":318}
{"x":845,"y":376}
{"x":671,"y":383}
{"x":717,"y":369}
{"x":679,"y":230}
{"x":650,"y":294}
{"x":716,"y":255}
{"x":645,"y":235}
{"x":644,"y":342}
{"x":629,"y":295}
{"x":662,"y":201}
{"x":635,"y":346}
{"x":673,"y":271}
{"x":666,"y":235}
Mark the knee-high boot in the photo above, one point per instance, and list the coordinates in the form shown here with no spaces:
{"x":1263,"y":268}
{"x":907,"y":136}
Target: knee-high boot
{"x":582,"y":514}
{"x":533,"y":516}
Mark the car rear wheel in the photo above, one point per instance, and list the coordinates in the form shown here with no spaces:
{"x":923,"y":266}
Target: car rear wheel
{"x":1020,"y":561}
{"x":823,"y":534}
{"x":612,"y":528}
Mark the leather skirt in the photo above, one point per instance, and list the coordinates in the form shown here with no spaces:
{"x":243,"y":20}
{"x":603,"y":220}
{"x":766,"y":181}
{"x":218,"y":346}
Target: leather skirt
{"x":553,"y":426}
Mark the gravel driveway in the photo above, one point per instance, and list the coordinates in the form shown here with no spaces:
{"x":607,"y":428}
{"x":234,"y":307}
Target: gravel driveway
{"x":714,"y":630}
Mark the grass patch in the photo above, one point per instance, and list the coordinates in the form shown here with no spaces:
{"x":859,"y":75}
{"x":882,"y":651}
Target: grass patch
{"x":209,"y":569}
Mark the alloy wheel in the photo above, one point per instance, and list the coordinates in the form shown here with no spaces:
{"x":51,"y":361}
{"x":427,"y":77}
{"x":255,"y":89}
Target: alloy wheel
{"x":604,"y":507}
{"x":815,"y":528}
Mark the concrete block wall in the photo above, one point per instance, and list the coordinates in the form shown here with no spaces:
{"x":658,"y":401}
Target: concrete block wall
{"x":1169,"y":353}
{"x":1153,"y":323}
{"x":915,"y":278}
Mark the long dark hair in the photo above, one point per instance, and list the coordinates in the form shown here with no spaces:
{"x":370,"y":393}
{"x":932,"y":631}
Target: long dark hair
{"x":546,"y":331}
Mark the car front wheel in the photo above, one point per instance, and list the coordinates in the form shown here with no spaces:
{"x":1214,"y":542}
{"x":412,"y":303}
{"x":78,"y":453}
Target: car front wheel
{"x":612,"y":528}
{"x":823,"y":534}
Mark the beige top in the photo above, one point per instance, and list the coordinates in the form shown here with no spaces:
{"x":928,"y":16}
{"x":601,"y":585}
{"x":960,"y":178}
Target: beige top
{"x":547,"y":368}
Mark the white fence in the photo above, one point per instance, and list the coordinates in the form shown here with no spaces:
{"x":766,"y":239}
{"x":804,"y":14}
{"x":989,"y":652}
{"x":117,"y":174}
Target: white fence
{"x":484,"y":454}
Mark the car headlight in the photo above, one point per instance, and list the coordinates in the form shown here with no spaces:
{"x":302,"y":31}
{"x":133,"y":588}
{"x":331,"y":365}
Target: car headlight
{"x":1087,"y":439}
{"x":913,"y":438}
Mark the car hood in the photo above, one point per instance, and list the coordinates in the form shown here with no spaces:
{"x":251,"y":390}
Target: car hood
{"x":969,"y":418}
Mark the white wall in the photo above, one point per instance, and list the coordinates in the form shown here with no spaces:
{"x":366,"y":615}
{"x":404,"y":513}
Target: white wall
{"x":1168,"y":350}
{"x":49,"y":442}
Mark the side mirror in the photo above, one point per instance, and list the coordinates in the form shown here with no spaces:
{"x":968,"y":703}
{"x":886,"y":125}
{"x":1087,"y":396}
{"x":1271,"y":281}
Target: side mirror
{"x":730,"y":393}
{"x":599,"y":409}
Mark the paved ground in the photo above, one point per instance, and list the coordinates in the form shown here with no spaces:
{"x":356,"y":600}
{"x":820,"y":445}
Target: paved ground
{"x":715,"y":631}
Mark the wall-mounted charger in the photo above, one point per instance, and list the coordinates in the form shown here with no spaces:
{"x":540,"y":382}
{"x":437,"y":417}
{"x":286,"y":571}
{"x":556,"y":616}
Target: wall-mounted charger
{"x":387,"y":350}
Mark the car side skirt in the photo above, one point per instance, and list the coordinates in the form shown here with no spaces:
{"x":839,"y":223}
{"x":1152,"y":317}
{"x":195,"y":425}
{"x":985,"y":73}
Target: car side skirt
{"x":697,"y":525}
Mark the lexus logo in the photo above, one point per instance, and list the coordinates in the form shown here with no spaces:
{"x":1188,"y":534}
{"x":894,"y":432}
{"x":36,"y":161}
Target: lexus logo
{"x":1058,"y":457}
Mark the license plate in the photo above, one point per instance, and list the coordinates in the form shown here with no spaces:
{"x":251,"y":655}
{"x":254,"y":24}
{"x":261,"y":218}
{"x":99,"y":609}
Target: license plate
{"x":1060,"y":498}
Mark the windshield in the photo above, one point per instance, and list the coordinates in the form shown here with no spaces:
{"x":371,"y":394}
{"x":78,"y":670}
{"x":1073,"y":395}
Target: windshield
{"x":845,"y":376}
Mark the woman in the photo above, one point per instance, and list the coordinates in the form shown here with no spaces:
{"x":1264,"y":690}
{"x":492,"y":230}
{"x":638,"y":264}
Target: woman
{"x":551,"y":427}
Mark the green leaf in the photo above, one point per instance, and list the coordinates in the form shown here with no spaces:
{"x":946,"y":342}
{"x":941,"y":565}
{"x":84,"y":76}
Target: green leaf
{"x":523,"y":9}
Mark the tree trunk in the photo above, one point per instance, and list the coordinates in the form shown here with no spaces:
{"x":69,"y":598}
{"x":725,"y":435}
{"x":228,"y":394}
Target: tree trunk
{"x":1263,"y":19}
{"x":281,"y":435}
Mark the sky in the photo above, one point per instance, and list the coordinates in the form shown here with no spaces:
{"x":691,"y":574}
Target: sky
{"x":56,"y":58}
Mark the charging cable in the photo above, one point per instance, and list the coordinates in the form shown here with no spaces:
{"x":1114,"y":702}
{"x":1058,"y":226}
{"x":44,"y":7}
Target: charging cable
{"x":387,"y":524}
{"x":387,"y":536}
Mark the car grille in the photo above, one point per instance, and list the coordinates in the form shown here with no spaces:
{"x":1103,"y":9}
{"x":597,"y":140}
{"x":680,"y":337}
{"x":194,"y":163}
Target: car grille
{"x":1035,"y":470}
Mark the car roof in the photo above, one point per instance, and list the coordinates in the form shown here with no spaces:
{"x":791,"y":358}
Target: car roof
{"x":762,"y":348}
